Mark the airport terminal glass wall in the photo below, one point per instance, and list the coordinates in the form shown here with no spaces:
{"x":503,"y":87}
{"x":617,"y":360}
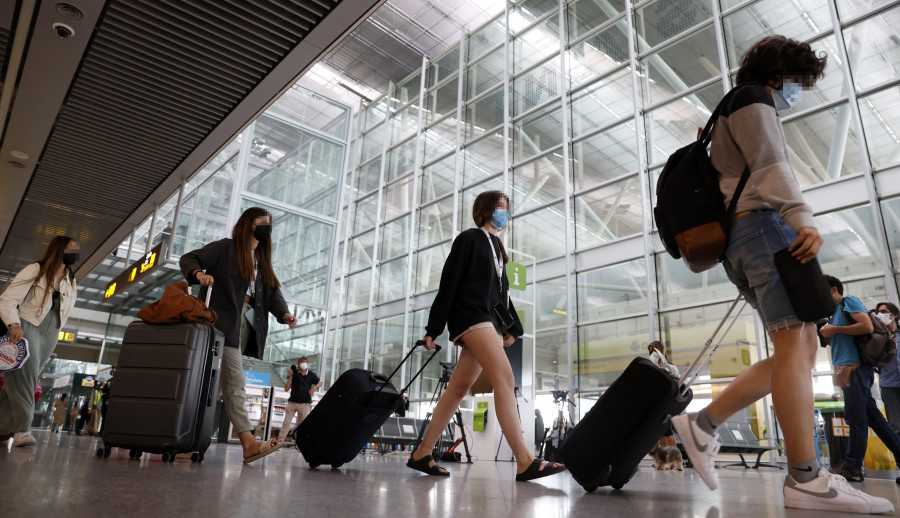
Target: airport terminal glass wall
{"x":572,"y":107}
{"x":290,"y":160}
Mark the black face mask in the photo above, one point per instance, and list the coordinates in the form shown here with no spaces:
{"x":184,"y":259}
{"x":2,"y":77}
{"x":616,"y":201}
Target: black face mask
{"x":70,"y":258}
{"x":262,"y":232}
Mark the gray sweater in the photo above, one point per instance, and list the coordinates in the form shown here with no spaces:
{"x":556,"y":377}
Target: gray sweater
{"x":749,"y":132}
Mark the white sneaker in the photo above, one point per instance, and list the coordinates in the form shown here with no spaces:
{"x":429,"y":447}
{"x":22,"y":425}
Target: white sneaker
{"x":830,"y":492}
{"x":700,"y":446}
{"x":23,"y":439}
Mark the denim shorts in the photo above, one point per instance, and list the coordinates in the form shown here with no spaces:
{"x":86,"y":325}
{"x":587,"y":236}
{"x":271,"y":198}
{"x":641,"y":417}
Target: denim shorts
{"x":750,"y":264}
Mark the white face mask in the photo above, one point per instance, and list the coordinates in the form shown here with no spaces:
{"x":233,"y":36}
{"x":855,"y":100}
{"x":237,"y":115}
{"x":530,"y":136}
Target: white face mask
{"x":304,"y":366}
{"x":884,"y":317}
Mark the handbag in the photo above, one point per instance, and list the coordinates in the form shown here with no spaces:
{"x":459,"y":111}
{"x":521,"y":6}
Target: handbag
{"x":806,"y":287}
{"x":841,"y":376}
{"x":177,"y":305}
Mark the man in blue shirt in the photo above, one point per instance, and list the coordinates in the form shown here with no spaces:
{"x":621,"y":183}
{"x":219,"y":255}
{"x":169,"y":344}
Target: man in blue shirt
{"x":850,"y":319}
{"x":889,"y":377}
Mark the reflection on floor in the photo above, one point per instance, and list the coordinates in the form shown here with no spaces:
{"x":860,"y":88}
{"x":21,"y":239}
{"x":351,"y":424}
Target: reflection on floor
{"x":62,"y":475}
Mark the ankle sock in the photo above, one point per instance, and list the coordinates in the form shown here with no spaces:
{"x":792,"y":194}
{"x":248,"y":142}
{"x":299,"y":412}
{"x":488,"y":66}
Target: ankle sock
{"x":706,"y":422}
{"x":804,"y":471}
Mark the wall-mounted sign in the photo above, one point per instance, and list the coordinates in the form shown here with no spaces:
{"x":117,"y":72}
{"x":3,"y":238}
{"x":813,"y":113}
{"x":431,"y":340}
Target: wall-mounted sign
{"x":87,"y":381}
{"x":62,"y":381}
{"x":67,"y":335}
{"x":257,"y":378}
{"x":134,"y":272}
{"x":515,"y":272}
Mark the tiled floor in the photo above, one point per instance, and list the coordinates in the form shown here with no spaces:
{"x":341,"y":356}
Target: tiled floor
{"x":62,"y":476}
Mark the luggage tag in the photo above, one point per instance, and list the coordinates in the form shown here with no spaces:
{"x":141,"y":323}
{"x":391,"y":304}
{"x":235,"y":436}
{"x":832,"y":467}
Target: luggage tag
{"x":13,"y":355}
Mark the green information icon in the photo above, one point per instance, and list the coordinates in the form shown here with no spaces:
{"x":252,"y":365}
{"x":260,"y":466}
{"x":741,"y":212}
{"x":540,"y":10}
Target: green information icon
{"x":515,"y":272}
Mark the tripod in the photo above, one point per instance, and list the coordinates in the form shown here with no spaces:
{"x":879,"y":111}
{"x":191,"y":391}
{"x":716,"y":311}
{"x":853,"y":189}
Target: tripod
{"x":517,"y":393}
{"x":438,"y":392}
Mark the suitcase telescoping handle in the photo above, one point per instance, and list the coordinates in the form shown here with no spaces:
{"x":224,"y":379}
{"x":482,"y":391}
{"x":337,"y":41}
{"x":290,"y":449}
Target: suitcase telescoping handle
{"x":437,"y":349}
{"x":706,"y":354}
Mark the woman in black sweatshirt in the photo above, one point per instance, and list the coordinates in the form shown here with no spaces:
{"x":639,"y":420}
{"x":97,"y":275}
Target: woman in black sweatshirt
{"x":473,"y":302}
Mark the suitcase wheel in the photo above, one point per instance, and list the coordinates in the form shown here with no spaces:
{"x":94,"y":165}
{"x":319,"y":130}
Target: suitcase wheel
{"x":620,"y":485}
{"x":337,"y":465}
{"x":107,"y":451}
{"x":590,"y":489}
{"x":195,"y":457}
{"x":313,"y":465}
{"x":100,"y":452}
{"x":168,"y":456}
{"x":134,"y":454}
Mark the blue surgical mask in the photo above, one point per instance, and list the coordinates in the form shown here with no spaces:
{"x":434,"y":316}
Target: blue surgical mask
{"x":501,"y":217}
{"x":788,"y":95}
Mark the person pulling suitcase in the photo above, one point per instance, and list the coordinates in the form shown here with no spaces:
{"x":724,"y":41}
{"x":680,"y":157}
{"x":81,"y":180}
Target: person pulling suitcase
{"x":246,"y":291}
{"x":473,"y":302}
{"x":769,"y":217}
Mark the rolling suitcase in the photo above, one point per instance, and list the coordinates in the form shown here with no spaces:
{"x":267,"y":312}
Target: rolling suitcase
{"x":349,"y":414}
{"x":164,"y":396}
{"x":605,"y":448}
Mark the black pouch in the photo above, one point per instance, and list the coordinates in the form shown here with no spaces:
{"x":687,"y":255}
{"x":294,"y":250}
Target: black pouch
{"x":504,"y":319}
{"x":807,"y":289}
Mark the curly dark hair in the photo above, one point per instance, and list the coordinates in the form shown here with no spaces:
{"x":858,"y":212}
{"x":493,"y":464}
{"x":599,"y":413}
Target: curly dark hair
{"x":773,"y":57}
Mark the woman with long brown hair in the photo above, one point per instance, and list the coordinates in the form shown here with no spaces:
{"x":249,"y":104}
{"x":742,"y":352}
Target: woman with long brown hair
{"x":246,"y":291}
{"x":473,"y":302}
{"x":35,"y":306}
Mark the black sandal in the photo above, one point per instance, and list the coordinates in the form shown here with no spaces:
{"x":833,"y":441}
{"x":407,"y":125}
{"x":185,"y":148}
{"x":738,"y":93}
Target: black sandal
{"x":422,"y":465}
{"x":534,"y":471}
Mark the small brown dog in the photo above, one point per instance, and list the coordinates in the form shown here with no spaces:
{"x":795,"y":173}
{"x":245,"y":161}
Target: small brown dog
{"x":667,"y":457}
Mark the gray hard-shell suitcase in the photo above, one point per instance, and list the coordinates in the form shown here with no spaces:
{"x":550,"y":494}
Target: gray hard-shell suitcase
{"x":165,"y":390}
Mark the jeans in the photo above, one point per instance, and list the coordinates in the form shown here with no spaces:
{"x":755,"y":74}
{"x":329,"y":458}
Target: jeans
{"x":861,"y":413}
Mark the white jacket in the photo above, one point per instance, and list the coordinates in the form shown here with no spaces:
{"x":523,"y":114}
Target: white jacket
{"x":31,"y":310}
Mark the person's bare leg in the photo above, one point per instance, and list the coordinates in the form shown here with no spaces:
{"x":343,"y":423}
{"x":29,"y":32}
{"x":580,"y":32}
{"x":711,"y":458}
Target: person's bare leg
{"x":251,"y":446}
{"x":487,"y":347}
{"x":464,"y":375}
{"x":790,"y":383}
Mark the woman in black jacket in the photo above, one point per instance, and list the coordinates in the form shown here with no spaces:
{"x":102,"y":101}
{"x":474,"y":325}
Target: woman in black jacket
{"x":246,"y":291}
{"x":473,"y":302}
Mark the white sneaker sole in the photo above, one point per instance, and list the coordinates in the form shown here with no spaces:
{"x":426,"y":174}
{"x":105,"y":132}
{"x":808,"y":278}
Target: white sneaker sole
{"x":683,"y":429}
{"x":831,"y":504}
{"x":26,"y":442}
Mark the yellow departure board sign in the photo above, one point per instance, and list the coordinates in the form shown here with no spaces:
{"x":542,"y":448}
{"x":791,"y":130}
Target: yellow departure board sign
{"x":134,"y":272}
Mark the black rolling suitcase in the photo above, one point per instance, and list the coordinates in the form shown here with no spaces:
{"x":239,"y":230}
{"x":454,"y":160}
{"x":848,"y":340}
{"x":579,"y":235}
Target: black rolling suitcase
{"x":349,"y":414}
{"x":605,"y":448}
{"x":164,"y":394}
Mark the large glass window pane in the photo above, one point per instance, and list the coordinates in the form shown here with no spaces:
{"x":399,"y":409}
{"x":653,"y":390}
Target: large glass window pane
{"x":660,"y":20}
{"x":295,"y":167}
{"x":849,"y":9}
{"x":351,"y":349}
{"x":484,"y":75}
{"x":536,"y":86}
{"x":429,"y":266}
{"x":851,"y":244}
{"x":437,"y":179}
{"x":604,"y":156}
{"x":604,"y":102}
{"x":313,"y":110}
{"x":674,"y":125}
{"x":398,"y":198}
{"x":552,"y":306}
{"x":800,"y":20}
{"x":598,"y":54}
{"x":527,"y":11}
{"x":537,"y":132}
{"x":375,"y":113}
{"x":823,"y":146}
{"x":484,"y":114}
{"x":443,"y":67}
{"x":361,"y":250}
{"x":620,"y":289}
{"x":684,"y":333}
{"x":487,"y":37}
{"x":439,"y":139}
{"x":584,"y":15}
{"x":364,"y":216}
{"x":535,"y":44}
{"x":401,"y":159}
{"x":550,"y":359}
{"x":210,"y":212}
{"x":541,"y":233}
{"x":369,"y":175}
{"x":436,"y":222}
{"x":392,"y":280}
{"x":388,"y":347}
{"x":441,"y":101}
{"x":686,"y":63}
{"x":467,"y":198}
{"x":881,"y":122}
{"x":404,"y":123}
{"x":408,"y":89}
{"x":372,"y":143}
{"x":890,"y":212}
{"x":604,"y":350}
{"x":482,"y":158}
{"x":359,"y":286}
{"x":395,"y":239}
{"x":538,"y":182}
{"x":608,"y":213}
{"x":678,"y":286}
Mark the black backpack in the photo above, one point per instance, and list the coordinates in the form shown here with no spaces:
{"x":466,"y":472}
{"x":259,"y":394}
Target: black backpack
{"x":877,"y":349}
{"x":690,"y":208}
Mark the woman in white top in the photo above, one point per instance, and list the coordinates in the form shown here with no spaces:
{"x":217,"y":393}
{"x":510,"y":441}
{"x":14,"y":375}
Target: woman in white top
{"x":35,"y":305}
